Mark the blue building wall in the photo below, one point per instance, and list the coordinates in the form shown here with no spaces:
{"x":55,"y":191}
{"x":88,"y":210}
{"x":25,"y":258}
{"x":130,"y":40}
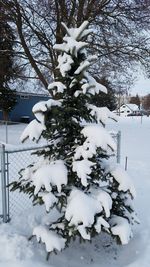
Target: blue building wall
{"x":23,"y":108}
{"x":1,"y":116}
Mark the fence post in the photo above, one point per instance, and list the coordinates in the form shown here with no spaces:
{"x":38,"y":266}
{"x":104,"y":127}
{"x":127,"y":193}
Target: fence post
{"x":6,"y":125}
{"x":118,"y":146}
{"x":3,"y":181}
{"x":126,"y":163}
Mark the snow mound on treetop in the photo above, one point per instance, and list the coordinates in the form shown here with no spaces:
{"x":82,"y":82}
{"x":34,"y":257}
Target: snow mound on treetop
{"x":52,"y":240}
{"x":72,"y":43}
{"x":78,"y":33}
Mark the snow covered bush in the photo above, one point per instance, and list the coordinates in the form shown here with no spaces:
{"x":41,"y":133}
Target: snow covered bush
{"x":74,"y":173}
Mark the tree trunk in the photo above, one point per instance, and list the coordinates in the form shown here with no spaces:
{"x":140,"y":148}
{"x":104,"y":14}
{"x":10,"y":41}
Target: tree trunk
{"x":5,"y":115}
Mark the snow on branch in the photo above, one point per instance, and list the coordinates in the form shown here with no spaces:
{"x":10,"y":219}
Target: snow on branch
{"x":51,"y":240}
{"x":85,"y":64}
{"x":99,"y":223}
{"x":121,"y":176}
{"x":81,"y":208}
{"x":83,"y":169}
{"x":70,"y":45}
{"x":35,"y":128}
{"x":89,"y":85}
{"x":123,"y":179}
{"x":105,"y":200}
{"x":95,"y":86}
{"x":83,"y":232}
{"x":96,"y":137}
{"x":49,"y":199}
{"x":65,"y":61}
{"x":120,"y":227}
{"x":41,"y":107}
{"x":58,"y":87}
{"x":33,"y":131}
{"x":26,"y":174}
{"x":102,"y":114}
{"x":53,"y":174}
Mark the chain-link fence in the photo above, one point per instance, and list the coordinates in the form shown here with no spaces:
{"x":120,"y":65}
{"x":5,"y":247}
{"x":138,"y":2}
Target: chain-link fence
{"x":12,"y":161}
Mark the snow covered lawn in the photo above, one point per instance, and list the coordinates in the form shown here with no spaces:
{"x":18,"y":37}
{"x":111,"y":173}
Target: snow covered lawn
{"x":16,"y":251}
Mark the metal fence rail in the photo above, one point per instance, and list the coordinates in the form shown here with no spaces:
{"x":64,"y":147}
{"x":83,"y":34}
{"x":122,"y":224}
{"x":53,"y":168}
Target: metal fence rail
{"x":11,"y":161}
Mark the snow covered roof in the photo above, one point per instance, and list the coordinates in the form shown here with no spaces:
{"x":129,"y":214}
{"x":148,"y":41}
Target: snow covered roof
{"x":132,"y":107}
{"x":43,"y":94}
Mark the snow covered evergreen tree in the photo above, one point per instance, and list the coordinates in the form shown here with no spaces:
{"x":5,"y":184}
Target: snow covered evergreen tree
{"x":8,"y":68}
{"x":75,"y":174}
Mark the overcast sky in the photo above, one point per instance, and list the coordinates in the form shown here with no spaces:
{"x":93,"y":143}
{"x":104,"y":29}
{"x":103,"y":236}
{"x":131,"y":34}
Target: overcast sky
{"x":141,"y":86}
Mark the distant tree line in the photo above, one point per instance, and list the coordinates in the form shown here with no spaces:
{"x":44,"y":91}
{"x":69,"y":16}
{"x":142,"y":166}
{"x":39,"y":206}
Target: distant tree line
{"x":146,"y":102}
{"x":135,"y":100}
{"x":143,"y":102}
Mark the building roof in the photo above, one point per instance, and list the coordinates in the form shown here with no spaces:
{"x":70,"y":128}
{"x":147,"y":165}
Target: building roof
{"x":32,"y":94}
{"x":132,"y":107}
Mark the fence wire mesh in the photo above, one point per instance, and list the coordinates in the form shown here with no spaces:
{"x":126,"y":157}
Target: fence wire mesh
{"x":12,"y":161}
{"x":18,"y":201}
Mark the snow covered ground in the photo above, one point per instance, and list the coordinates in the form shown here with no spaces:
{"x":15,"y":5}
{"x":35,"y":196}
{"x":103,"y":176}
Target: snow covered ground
{"x":16,"y":251}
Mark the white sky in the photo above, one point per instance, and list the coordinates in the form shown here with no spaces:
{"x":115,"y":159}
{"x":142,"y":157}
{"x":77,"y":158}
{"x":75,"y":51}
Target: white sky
{"x":141,"y":86}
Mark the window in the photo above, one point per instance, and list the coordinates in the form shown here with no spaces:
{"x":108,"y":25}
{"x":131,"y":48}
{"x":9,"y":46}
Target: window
{"x":24,"y":96}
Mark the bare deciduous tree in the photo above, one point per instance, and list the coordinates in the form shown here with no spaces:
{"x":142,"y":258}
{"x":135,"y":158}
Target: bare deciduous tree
{"x":146,"y":102}
{"x":121,"y":27}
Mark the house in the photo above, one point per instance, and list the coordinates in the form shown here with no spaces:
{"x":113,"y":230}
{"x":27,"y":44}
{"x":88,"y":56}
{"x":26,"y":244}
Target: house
{"x":128,"y":110}
{"x":22,"y":112}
